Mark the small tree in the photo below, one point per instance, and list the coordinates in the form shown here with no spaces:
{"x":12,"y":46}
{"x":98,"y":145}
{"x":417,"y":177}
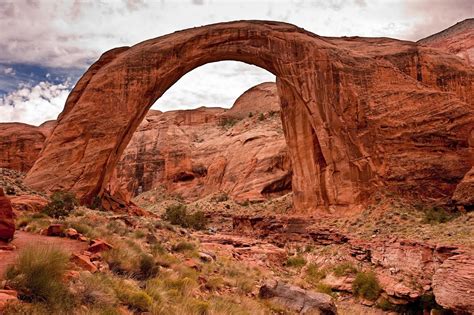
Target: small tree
{"x":61,"y":205}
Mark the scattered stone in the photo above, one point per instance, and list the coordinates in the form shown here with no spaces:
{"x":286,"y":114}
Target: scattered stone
{"x":297,"y":299}
{"x":99,"y":246}
{"x":83,"y":262}
{"x":206,"y":257}
{"x":7,"y":296}
{"x":55,"y":230}
{"x":72,"y":233}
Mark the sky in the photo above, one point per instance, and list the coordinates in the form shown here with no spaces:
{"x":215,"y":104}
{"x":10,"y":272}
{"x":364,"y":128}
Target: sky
{"x":45,"y":46}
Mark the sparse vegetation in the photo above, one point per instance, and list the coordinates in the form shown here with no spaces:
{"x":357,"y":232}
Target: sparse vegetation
{"x":177,"y":215}
{"x":437,"y":215}
{"x":366,"y":285}
{"x":261,"y":117}
{"x":296,"y":261}
{"x":61,"y":204}
{"x":37,"y":275}
{"x":344,"y":269}
{"x":228,"y":122}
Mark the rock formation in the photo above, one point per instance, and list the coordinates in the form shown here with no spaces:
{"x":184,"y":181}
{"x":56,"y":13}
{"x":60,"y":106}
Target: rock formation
{"x":457,"y":39}
{"x":356,"y":120}
{"x":20,"y":144}
{"x":197,"y":152}
{"x":7,"y":223}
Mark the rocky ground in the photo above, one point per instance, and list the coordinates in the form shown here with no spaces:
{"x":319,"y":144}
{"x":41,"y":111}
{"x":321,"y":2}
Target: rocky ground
{"x":249,"y":258}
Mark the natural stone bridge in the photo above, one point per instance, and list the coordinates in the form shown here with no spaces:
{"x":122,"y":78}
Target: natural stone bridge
{"x":353,"y":124}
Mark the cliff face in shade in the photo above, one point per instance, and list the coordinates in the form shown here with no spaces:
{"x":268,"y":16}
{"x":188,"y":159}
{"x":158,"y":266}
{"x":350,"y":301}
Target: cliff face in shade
{"x":457,"y":39}
{"x":20,"y":144}
{"x":197,"y":152}
{"x":372,"y":126}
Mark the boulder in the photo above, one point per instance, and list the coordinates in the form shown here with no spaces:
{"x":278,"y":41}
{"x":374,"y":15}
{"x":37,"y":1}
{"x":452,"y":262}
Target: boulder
{"x":30,"y":203}
{"x":7,"y":222}
{"x":98,"y":246}
{"x":297,"y":299}
{"x":55,"y":230}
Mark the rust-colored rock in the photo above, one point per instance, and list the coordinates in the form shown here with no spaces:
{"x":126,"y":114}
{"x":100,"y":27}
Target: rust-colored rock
{"x":355,"y":122}
{"x":457,"y":39}
{"x":199,"y":152}
{"x":453,"y":284}
{"x":83,"y":262}
{"x":31,"y":203}
{"x":7,"y":222}
{"x":20,"y":144}
{"x":55,"y":230}
{"x":98,"y":246}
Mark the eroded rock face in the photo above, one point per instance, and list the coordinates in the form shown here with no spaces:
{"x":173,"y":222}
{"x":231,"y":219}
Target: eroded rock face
{"x":7,"y":223}
{"x":453,"y":284}
{"x":457,"y":39}
{"x":358,"y":122}
{"x":197,"y":152}
{"x":20,"y":144}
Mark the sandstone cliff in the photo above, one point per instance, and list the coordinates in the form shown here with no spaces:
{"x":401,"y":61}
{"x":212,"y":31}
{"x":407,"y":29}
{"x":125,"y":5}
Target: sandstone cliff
{"x":240,"y":151}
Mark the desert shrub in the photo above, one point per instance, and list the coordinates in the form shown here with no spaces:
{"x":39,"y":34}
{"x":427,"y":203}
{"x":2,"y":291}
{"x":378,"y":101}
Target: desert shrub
{"x":250,"y":114}
{"x":344,"y":269}
{"x":177,"y":215}
{"x":324,"y":288}
{"x":95,"y":292}
{"x":61,"y":204}
{"x":147,"y":266}
{"x":183,"y":247}
{"x":296,"y":261}
{"x":121,"y":261}
{"x":37,"y":275}
{"x":196,"y":220}
{"x":436,"y":215}
{"x":366,"y":285}
{"x":261,"y":117}
{"x":228,"y":122}
{"x":314,"y":274}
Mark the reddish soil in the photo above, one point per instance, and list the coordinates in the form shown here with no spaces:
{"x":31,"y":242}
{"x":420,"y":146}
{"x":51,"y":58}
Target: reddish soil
{"x":23,"y":239}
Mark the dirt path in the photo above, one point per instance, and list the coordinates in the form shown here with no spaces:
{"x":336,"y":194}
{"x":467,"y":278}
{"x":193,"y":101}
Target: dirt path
{"x":23,"y":239}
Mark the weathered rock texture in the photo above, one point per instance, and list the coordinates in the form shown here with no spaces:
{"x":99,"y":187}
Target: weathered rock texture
{"x":20,"y":144}
{"x":298,"y":299}
{"x":197,"y":152}
{"x":453,"y":284}
{"x":457,"y":39}
{"x":355,"y":121}
{"x":7,"y":223}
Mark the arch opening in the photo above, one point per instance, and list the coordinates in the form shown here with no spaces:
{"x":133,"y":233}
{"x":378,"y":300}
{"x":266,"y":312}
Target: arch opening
{"x":115,"y":94}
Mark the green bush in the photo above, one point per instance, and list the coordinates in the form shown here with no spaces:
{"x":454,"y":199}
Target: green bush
{"x":61,"y":205}
{"x":296,"y":261}
{"x":147,"y":266}
{"x":436,"y":215}
{"x":37,"y":275}
{"x":228,"y":122}
{"x":366,"y":285}
{"x":344,"y":269}
{"x":314,"y":274}
{"x":177,"y":215}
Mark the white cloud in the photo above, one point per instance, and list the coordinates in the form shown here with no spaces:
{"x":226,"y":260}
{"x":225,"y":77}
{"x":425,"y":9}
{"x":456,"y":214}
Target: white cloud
{"x":34,"y":104}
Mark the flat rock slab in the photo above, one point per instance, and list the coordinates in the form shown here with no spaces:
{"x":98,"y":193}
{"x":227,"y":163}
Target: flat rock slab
{"x":298,"y":299}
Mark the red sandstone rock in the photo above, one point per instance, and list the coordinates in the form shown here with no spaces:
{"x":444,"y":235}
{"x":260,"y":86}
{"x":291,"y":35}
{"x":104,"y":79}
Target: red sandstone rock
{"x":457,"y":39}
{"x":453,"y":284}
{"x":355,"y":122}
{"x":7,"y":222}
{"x":31,"y":203}
{"x":99,"y":246}
{"x":55,"y":230}
{"x":83,"y":262}
{"x":20,"y":144}
{"x":191,"y":153}
{"x":7,"y":296}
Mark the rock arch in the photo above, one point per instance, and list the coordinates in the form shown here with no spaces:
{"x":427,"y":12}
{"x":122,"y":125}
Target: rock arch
{"x":332,"y":99}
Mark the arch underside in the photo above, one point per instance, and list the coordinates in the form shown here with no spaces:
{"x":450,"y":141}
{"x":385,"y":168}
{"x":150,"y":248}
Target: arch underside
{"x":333,"y":108}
